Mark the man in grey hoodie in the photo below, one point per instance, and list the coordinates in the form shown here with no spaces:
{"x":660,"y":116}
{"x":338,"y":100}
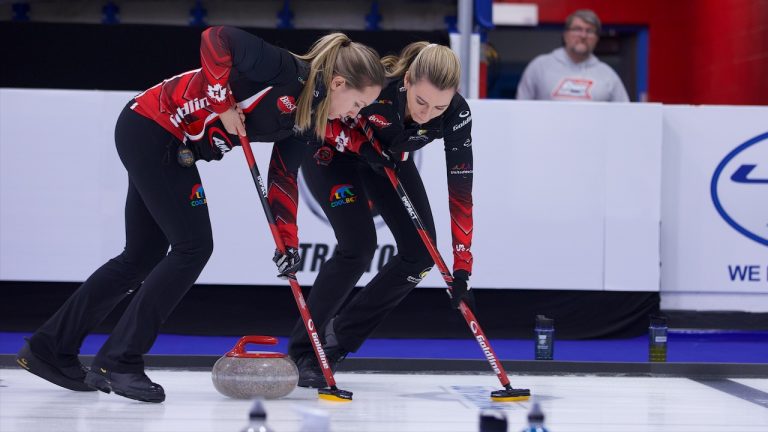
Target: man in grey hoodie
{"x":572,"y":72}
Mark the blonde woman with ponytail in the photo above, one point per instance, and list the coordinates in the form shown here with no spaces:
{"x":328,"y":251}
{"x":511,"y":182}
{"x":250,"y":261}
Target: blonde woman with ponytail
{"x":419,"y":104}
{"x":244,"y":86}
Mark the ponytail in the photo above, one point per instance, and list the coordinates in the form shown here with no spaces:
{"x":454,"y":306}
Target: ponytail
{"x":397,"y":66}
{"x":437,"y":64}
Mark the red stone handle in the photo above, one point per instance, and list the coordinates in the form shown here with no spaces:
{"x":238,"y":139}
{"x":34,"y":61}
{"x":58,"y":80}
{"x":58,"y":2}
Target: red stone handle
{"x":239,"y":349}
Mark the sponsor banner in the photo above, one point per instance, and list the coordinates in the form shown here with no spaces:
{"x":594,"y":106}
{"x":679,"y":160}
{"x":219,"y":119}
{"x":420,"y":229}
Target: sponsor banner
{"x":715,"y":200}
{"x":566,"y":196}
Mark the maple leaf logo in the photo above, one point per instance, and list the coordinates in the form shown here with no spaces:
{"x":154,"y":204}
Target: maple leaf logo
{"x":217,"y":92}
{"x":342,"y":140}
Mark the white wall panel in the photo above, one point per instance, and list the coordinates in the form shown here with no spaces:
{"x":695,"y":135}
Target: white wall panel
{"x":700,"y":249}
{"x":566,"y":196}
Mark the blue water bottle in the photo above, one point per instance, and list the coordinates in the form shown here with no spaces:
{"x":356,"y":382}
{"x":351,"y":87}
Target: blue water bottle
{"x":535,"y":419}
{"x":545,"y":337}
{"x":657,"y":339}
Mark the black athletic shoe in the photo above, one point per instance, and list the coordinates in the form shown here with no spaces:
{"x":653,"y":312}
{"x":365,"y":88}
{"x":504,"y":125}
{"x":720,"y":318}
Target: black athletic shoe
{"x":70,"y":377}
{"x":135,"y":386}
{"x":335,"y":355}
{"x":310,"y":374}
{"x":333,"y":350}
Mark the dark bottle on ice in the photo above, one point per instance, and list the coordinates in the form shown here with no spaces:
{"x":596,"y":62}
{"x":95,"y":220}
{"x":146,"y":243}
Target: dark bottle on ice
{"x":545,"y":337}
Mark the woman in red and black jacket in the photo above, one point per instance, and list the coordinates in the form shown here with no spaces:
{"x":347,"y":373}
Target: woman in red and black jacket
{"x":419,"y":104}
{"x":245,"y":85}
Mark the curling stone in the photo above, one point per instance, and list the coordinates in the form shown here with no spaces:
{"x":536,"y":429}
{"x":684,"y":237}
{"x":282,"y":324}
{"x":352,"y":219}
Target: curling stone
{"x":241,"y":374}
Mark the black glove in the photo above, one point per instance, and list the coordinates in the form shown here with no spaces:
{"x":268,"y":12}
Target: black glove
{"x":411,"y":140}
{"x":288,"y":263}
{"x":460,"y":289}
{"x":212,"y":145}
{"x":377,"y":161}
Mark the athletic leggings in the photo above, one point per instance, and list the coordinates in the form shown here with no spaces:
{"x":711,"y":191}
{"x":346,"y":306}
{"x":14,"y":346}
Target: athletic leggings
{"x":166,"y":206}
{"x":343,"y":188}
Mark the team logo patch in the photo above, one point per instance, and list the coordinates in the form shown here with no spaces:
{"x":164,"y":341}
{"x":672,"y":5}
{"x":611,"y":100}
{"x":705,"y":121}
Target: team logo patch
{"x":220,"y":140}
{"x":342,"y":195}
{"x":421,"y":136}
{"x":197,"y":197}
{"x":379,"y":121}
{"x":217,"y":92}
{"x":464,"y":122}
{"x":424,"y":272}
{"x":342,"y":140}
{"x":463,"y":168}
{"x":185,"y":157}
{"x":189,"y":107}
{"x":420,"y":277}
{"x":323,"y":156}
{"x":574,"y":88}
{"x":286,"y":104}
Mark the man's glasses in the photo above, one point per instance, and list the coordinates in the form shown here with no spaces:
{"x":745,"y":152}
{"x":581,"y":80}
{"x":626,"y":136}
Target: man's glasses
{"x":583,"y":30}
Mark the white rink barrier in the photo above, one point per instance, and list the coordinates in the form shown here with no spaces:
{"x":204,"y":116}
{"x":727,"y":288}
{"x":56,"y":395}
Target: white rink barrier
{"x":566,"y":196}
{"x":714,"y":233}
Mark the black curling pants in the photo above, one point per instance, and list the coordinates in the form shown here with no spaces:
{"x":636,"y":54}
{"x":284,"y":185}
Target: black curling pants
{"x":343,"y":189}
{"x":166,"y":206}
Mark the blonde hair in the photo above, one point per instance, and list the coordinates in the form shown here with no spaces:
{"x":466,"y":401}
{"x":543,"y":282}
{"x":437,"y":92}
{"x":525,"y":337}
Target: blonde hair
{"x":438,"y":64}
{"x":335,"y":55}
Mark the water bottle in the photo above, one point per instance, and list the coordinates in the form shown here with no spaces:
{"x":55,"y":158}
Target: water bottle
{"x":657,"y":339}
{"x":535,"y":420}
{"x":257,"y":418}
{"x":545,"y":337}
{"x":492,"y":420}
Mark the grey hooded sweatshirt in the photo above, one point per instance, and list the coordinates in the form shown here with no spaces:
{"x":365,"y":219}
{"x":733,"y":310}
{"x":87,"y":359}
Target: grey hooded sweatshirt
{"x":555,"y":76}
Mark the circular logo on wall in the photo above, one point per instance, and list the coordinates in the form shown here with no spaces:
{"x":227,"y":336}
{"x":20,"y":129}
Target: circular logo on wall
{"x":739,"y":189}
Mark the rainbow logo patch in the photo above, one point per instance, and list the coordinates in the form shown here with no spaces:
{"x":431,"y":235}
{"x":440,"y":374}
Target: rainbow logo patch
{"x":197,"y":197}
{"x":341,"y":195}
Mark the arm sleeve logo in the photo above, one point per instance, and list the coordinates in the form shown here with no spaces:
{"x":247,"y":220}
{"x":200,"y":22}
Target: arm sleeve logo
{"x":217,"y":92}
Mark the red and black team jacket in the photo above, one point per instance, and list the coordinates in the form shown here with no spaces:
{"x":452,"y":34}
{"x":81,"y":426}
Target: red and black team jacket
{"x":265,"y":82}
{"x":386,"y":117}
